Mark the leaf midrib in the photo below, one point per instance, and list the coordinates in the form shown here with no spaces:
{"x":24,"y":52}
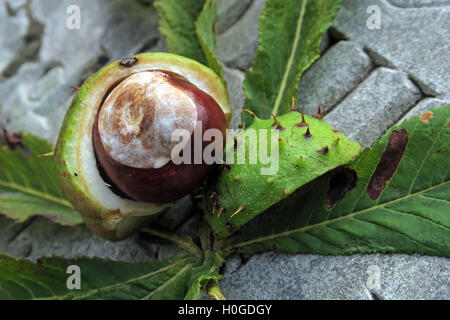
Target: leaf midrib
{"x":343,"y":217}
{"x":117,"y":284}
{"x":36,"y":193}
{"x":165,"y":284}
{"x":284,"y":81}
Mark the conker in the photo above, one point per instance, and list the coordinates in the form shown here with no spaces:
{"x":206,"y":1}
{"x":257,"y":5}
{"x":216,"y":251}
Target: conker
{"x":133,"y":129}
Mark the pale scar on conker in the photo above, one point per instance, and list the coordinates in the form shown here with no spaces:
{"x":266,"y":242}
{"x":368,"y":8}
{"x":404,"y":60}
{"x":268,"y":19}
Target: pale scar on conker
{"x":389,"y":162}
{"x":133,"y":134}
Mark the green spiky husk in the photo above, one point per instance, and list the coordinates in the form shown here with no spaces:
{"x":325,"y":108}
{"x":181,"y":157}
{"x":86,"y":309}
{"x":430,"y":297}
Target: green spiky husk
{"x":243,"y":189}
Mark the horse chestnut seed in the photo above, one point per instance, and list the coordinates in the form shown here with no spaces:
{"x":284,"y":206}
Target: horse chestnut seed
{"x":132,"y":134}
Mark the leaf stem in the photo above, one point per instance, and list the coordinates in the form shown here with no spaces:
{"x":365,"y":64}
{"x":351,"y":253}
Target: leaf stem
{"x":213,"y":290}
{"x":184,"y":242}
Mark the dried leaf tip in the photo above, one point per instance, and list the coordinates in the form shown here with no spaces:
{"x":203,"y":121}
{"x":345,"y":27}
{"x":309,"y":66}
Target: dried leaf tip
{"x":277,"y":123}
{"x":319,"y":114}
{"x":240,"y":209}
{"x":303,"y":123}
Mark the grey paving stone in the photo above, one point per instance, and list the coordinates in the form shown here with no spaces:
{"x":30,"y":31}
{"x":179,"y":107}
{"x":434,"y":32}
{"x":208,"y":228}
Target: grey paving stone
{"x":229,"y":11}
{"x":325,"y":43}
{"x":414,"y":40}
{"x":418,"y":3}
{"x":166,"y":252}
{"x":234,"y":79}
{"x":280,"y":276}
{"x":374,"y":106}
{"x":37,"y":96}
{"x":19,"y":109}
{"x":237,"y":46}
{"x":333,"y":76}
{"x":13,"y":29}
{"x":425,"y":105}
{"x":116,"y":28}
{"x":16,"y":4}
{"x":174,"y":216}
{"x":130,"y":28}
{"x":9,"y":231}
{"x":45,"y":238}
{"x":190,"y":226}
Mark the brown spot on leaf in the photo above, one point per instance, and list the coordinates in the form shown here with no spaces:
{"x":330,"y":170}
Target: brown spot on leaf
{"x":11,"y":140}
{"x":426,"y":116}
{"x":341,"y":183}
{"x":388,"y":164}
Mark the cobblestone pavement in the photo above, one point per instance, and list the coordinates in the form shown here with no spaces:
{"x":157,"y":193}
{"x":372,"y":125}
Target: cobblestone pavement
{"x":366,"y":80}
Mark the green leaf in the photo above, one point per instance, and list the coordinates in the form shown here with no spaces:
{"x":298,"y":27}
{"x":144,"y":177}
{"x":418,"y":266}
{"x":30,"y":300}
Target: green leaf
{"x":290,"y":32}
{"x":177,"y":23}
{"x":29,"y":185}
{"x":205,"y":275}
{"x":206,"y":31}
{"x":100,"y":279}
{"x":410,"y":215}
